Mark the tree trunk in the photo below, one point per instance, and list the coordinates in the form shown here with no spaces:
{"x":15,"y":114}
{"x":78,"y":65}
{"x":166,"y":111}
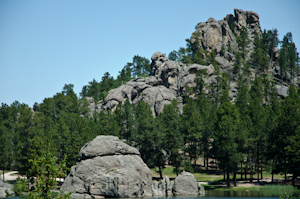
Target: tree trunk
{"x":245,"y":173}
{"x":224,"y":176}
{"x":257,"y":174}
{"x":3,"y":174}
{"x":285,"y":178}
{"x":294,"y":179}
{"x":251,"y":174}
{"x":206,"y":162}
{"x":257,"y":162}
{"x":261,"y":172}
{"x":228,"y":180}
{"x":160,"y":173}
{"x":234,"y":175}
{"x":241,"y":171}
{"x":272,"y":170}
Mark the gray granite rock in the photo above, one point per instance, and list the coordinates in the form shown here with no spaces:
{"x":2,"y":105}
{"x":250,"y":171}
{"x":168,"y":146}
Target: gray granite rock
{"x":282,"y":90}
{"x":5,"y":188}
{"x":107,"y":167}
{"x":185,"y":184}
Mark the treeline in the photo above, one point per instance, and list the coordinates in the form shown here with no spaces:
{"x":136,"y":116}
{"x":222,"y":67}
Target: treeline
{"x":140,"y":66}
{"x":255,"y":132}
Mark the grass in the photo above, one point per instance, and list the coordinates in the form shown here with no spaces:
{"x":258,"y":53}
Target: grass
{"x":168,"y":171}
{"x":214,"y":179}
{"x":224,"y":188}
{"x":281,"y":188}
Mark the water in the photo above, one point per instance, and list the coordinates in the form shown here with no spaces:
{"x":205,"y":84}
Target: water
{"x":243,"y":194}
{"x":211,"y":194}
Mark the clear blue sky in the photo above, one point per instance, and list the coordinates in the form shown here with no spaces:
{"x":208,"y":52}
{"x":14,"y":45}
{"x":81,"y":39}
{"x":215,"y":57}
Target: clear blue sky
{"x":46,"y":44}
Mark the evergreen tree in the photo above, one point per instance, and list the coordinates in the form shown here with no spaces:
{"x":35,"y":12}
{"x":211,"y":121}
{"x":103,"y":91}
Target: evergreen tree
{"x":145,"y":136}
{"x":171,"y":129}
{"x":259,"y":58}
{"x":125,"y":117}
{"x":285,"y":144}
{"x":225,"y":145}
{"x":140,"y":66}
{"x":243,"y":41}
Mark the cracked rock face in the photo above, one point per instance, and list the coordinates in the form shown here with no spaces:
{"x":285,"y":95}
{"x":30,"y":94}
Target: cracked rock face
{"x":212,"y":34}
{"x":167,"y":81}
{"x":108,"y":167}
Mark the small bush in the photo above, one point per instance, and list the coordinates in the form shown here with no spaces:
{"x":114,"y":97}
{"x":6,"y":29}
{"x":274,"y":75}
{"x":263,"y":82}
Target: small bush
{"x":188,"y":167}
{"x":20,"y":186}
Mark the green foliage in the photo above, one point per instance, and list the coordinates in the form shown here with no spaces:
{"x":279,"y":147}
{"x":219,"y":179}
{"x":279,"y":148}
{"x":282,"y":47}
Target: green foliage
{"x":237,"y":64}
{"x":282,"y":188}
{"x":212,"y":60}
{"x":170,"y":127}
{"x":47,"y":171}
{"x":243,"y":41}
{"x":222,"y":52}
{"x":288,"y":57}
{"x":20,"y":186}
{"x":188,"y":167}
{"x":229,"y":48}
{"x":140,"y":66}
{"x":259,"y":57}
{"x":232,"y":27}
{"x":173,"y":55}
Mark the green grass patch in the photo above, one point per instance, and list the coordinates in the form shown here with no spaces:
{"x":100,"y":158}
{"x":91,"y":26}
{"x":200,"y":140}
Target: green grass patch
{"x":281,"y":188}
{"x":203,"y":177}
{"x":168,"y":171}
{"x":224,"y":188}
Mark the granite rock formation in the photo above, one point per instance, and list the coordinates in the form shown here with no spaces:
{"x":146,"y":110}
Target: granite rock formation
{"x":186,"y":184}
{"x":5,"y":189}
{"x":108,"y":167}
{"x":168,"y":79}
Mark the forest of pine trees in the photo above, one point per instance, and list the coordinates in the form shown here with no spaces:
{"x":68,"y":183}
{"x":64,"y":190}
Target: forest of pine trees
{"x":259,"y":131}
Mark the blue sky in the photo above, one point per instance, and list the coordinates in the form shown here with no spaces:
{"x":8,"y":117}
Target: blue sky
{"x":46,"y":44}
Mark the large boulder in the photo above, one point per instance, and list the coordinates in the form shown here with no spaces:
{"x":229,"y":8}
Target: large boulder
{"x":108,"y":167}
{"x":5,"y":189}
{"x":185,"y":184}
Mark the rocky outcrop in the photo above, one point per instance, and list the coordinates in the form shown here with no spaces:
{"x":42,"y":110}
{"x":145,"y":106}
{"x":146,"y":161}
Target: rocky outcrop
{"x":108,"y":167}
{"x":212,"y":34}
{"x":186,"y":184}
{"x":167,"y":82}
{"x":168,"y":79}
{"x":163,"y":187}
{"x":5,"y":189}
